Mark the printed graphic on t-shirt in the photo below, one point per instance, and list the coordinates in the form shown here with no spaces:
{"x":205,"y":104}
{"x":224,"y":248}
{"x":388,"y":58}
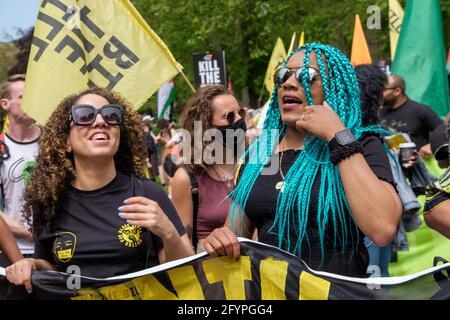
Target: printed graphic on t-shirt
{"x":27,"y":168}
{"x":399,"y":126}
{"x":130,"y":235}
{"x":64,"y":246}
{"x":15,"y":172}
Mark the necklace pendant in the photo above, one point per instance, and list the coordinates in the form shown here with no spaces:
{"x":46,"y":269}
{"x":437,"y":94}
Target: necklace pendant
{"x":280,"y":186}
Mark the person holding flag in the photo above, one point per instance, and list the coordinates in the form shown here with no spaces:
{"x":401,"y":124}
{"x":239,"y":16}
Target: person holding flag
{"x":87,"y":199}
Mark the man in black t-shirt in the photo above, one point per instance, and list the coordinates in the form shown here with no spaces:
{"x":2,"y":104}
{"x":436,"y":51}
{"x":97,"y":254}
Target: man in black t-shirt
{"x":402,"y":114}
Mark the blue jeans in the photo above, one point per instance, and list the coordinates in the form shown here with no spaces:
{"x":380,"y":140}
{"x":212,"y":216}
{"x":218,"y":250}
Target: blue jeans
{"x":379,"y":256}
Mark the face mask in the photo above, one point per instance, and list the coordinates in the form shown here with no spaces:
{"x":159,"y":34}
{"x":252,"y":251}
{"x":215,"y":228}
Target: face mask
{"x":228,"y":137}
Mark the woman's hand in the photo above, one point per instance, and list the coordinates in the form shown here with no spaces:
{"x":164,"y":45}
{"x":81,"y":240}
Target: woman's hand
{"x":222,"y":241}
{"x":19,"y":273}
{"x":141,"y":211}
{"x":321,"y":121}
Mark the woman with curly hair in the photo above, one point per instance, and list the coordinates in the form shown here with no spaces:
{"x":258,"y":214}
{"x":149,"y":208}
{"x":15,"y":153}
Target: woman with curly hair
{"x":210,"y":176}
{"x":87,"y":199}
{"x":334,"y":184}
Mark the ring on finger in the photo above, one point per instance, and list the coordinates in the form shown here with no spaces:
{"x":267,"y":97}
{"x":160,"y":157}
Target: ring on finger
{"x":301,"y":117}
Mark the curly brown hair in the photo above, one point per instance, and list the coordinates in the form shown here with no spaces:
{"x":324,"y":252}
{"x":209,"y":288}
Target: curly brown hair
{"x":199,"y":108}
{"x":55,"y":168}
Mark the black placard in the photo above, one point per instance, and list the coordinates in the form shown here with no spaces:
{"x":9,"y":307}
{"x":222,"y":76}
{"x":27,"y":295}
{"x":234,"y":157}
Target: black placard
{"x":210,"y":68}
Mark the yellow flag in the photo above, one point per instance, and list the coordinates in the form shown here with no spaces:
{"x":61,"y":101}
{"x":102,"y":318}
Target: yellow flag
{"x":360,"y":49}
{"x":395,"y":24}
{"x":79,"y":44}
{"x":276,"y":59}
{"x":5,"y":123}
{"x":291,"y":45}
{"x":302,"y":39}
{"x":296,"y":42}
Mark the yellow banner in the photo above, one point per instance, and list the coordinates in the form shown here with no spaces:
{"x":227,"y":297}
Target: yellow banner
{"x":276,"y":59}
{"x":395,"y":24}
{"x":79,"y":44}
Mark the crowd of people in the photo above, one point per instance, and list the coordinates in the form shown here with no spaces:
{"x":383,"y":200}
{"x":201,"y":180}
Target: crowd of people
{"x":88,"y":188}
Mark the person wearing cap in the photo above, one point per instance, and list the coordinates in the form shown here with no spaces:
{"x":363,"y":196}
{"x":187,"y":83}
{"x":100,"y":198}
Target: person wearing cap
{"x":437,"y":204}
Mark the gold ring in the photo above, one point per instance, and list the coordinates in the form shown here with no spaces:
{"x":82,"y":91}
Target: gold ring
{"x":301,"y":117}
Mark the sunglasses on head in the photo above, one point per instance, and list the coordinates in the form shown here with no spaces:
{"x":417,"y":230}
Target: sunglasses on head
{"x":283,"y":74}
{"x":85,"y":114}
{"x":231,"y":116}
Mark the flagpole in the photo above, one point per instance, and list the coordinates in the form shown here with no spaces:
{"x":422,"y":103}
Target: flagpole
{"x":187,"y":80}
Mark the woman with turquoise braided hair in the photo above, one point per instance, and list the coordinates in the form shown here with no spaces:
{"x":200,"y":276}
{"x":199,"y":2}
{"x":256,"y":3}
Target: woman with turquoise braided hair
{"x":334,"y":184}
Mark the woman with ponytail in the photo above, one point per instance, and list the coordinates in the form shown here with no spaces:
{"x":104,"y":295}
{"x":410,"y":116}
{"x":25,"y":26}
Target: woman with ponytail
{"x":333,"y":184}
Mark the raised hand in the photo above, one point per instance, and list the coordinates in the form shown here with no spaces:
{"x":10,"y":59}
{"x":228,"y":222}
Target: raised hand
{"x":321,"y":121}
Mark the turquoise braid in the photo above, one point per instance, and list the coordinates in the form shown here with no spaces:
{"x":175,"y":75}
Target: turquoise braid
{"x":341,"y":92}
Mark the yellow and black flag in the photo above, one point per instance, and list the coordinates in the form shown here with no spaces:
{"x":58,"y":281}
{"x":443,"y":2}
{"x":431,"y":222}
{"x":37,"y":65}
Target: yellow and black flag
{"x":262,"y":272}
{"x":79,"y":44}
{"x":395,"y":24}
{"x":296,"y":41}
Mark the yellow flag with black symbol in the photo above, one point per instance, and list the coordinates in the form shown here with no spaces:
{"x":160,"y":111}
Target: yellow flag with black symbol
{"x":262,"y":272}
{"x":78,"y":44}
{"x":296,"y":41}
{"x":395,"y":24}
{"x":276,"y":60}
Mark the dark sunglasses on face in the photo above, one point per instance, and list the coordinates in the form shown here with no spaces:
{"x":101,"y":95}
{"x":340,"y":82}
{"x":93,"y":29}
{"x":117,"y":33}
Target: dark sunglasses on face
{"x":283,"y":74}
{"x":231,"y":116}
{"x":85,"y":114}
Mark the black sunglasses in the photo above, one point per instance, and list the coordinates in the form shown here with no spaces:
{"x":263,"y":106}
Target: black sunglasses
{"x":283,"y":74}
{"x":85,"y":114}
{"x":231,"y":116}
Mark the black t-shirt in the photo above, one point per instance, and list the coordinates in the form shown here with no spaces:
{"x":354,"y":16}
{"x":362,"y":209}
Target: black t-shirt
{"x":415,"y":119}
{"x":353,"y":260}
{"x":88,"y":232}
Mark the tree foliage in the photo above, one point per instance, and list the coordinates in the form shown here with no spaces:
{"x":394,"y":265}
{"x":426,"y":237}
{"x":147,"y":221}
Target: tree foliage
{"x":247,"y":31}
{"x":7,"y":58}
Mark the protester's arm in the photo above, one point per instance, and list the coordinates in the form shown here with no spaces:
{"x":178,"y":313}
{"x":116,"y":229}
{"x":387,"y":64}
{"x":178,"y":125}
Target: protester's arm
{"x":223,"y":241}
{"x":20,"y":272}
{"x":175,"y":247}
{"x":425,"y":151}
{"x":8,"y":243}
{"x":182,"y":199}
{"x":439,"y":218}
{"x":18,"y":229}
{"x":375,"y":205}
{"x":431,"y":121}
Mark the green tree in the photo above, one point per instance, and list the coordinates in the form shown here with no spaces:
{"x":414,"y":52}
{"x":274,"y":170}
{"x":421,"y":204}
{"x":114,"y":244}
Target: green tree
{"x":247,"y":31}
{"x":7,"y":58}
